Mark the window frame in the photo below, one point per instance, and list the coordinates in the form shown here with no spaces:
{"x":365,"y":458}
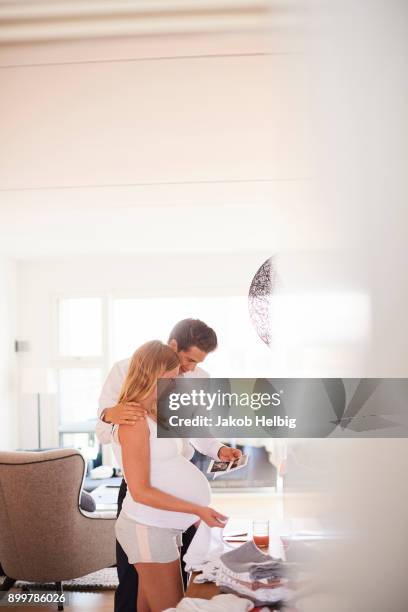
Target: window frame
{"x":60,"y":362}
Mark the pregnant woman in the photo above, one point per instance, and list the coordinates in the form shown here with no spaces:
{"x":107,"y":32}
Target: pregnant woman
{"x":166,"y":492}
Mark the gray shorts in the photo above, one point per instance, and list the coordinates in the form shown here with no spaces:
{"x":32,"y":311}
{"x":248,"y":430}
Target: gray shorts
{"x":146,"y":544}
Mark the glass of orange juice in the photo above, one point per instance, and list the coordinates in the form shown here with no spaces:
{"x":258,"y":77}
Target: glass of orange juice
{"x":260,"y":533}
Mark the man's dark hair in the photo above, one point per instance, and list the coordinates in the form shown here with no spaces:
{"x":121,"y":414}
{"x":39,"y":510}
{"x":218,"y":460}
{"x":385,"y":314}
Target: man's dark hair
{"x":193,"y":332}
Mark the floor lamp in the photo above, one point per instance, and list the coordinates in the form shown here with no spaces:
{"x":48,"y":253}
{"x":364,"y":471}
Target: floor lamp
{"x":38,"y":382}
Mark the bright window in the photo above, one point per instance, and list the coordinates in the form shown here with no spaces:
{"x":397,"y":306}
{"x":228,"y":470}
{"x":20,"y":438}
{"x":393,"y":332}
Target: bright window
{"x":312,"y":335}
{"x":80,"y":327}
{"x":78,"y":393}
{"x":85,"y":442}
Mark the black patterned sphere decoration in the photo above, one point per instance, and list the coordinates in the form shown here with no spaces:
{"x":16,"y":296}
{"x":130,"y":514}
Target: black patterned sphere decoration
{"x":259,"y":299}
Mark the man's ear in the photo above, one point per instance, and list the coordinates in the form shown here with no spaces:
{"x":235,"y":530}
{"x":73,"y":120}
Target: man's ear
{"x":173,"y":344}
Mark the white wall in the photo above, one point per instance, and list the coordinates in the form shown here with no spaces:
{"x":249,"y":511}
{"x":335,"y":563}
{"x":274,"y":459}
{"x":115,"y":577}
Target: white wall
{"x":382,"y":353}
{"x":110,"y":144}
{"x":8,"y":358}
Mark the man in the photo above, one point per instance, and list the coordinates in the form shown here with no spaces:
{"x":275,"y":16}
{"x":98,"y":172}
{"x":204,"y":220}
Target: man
{"x":192,"y":340}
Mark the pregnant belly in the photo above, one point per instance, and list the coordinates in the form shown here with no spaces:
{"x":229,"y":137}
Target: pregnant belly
{"x":181,"y":478}
{"x":178,"y":477}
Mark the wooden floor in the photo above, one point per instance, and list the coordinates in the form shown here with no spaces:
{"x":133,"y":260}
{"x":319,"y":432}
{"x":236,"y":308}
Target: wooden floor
{"x":101,"y":601}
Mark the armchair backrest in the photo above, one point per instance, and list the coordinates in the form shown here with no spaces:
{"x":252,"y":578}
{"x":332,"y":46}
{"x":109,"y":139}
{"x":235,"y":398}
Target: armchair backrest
{"x":39,"y":510}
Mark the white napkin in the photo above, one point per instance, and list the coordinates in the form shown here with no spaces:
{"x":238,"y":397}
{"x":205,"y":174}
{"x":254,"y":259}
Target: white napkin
{"x":207,"y":545}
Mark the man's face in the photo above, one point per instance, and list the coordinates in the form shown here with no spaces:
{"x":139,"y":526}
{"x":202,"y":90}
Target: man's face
{"x":190,"y":358}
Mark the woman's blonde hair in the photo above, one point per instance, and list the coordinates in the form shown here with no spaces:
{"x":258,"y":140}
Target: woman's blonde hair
{"x":148,"y":363}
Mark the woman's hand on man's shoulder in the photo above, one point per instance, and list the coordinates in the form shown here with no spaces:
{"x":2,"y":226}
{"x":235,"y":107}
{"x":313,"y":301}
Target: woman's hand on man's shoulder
{"x":127,"y":413}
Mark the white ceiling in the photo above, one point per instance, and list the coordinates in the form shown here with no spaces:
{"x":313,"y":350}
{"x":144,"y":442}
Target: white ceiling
{"x":42,"y":20}
{"x":146,"y":144}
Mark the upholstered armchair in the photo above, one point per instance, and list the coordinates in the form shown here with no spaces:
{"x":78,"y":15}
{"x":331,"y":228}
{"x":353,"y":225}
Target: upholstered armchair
{"x":44,"y":536}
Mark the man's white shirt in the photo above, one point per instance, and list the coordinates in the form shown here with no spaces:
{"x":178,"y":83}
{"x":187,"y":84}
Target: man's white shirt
{"x":110,"y":395}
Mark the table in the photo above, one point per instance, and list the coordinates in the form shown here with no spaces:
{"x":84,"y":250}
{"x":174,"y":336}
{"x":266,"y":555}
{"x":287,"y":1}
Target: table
{"x":106,"y":497}
{"x":306,"y":530}
{"x":206,"y":591}
{"x":90,"y":484}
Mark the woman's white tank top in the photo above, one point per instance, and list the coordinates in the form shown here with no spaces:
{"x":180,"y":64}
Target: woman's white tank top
{"x":172,"y":473}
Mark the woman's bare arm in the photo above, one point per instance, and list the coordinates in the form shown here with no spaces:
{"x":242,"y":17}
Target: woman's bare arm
{"x":135,"y":444}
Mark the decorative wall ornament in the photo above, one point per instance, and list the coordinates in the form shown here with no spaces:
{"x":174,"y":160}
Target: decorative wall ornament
{"x":259,"y":298}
